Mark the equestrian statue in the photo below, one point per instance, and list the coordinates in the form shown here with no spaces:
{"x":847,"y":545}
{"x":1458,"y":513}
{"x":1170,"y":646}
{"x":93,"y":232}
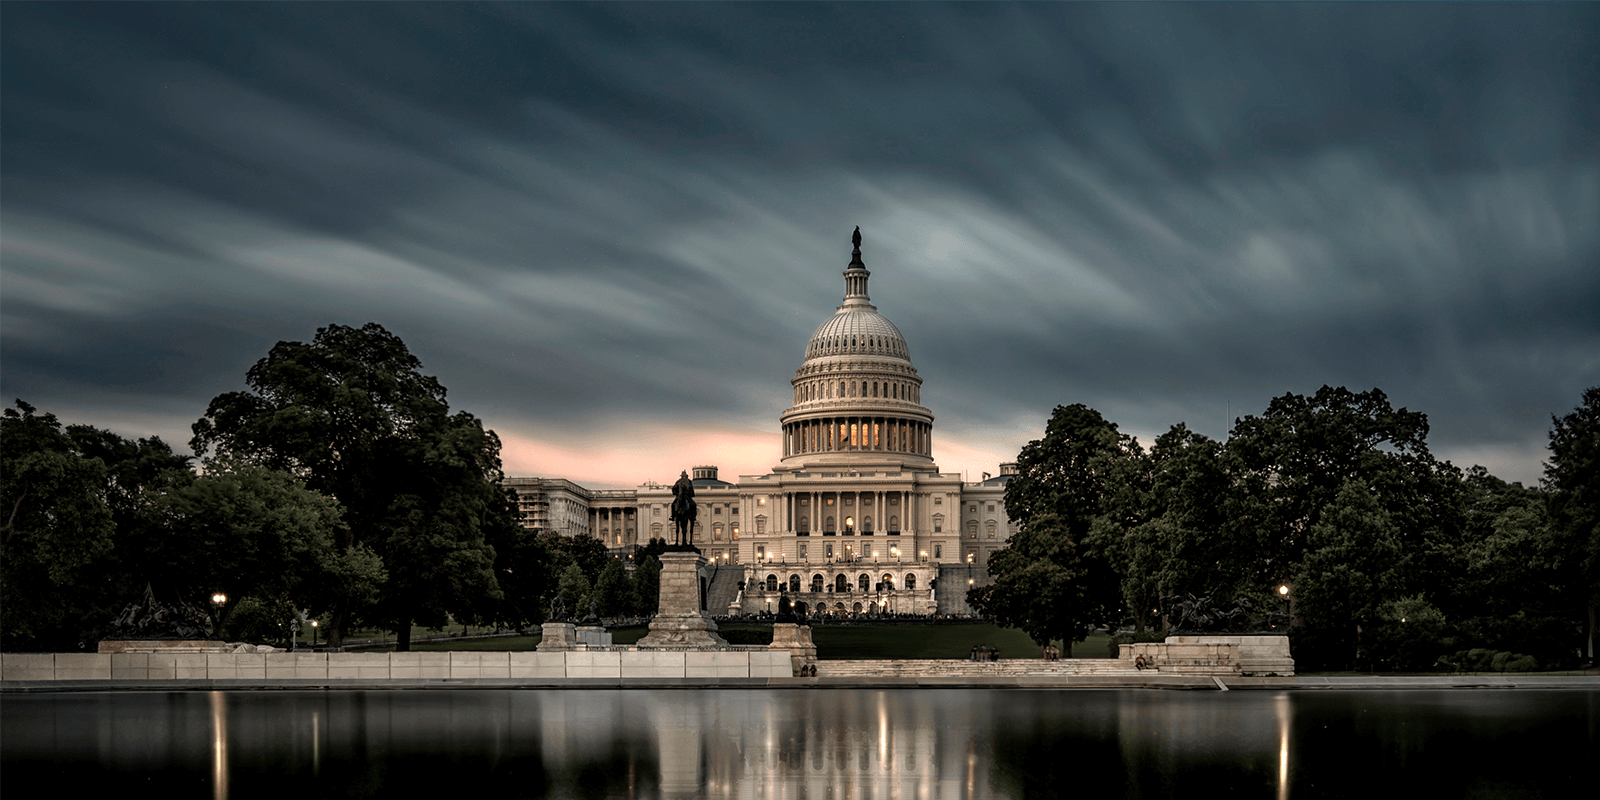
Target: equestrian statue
{"x":683,"y":511}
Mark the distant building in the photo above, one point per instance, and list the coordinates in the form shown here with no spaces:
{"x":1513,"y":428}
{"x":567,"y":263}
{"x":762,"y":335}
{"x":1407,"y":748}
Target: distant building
{"x":855,"y":518}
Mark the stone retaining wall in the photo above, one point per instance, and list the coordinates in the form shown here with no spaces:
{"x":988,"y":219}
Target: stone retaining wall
{"x":942,"y":667}
{"x":760,"y":663}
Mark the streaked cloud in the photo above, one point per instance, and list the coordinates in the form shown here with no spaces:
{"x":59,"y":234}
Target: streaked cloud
{"x":610,"y":229}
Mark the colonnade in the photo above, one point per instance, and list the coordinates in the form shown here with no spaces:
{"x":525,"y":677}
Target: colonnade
{"x":858,"y":434}
{"x":807,"y":512}
{"x":614,"y":525}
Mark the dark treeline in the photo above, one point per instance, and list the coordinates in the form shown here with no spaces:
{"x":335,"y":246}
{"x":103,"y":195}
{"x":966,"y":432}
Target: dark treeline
{"x":340,"y":484}
{"x":1392,"y":559}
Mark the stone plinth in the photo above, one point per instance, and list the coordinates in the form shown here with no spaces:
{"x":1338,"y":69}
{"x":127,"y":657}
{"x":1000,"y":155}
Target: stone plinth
{"x":594,"y":636}
{"x":558,"y":636}
{"x":1258,"y":655}
{"x":163,"y":646}
{"x":797,"y":640}
{"x":680,"y":620}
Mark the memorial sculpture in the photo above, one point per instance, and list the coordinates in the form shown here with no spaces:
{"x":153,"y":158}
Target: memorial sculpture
{"x":683,"y":512}
{"x":149,"y":618}
{"x":681,"y":621}
{"x":149,"y":625}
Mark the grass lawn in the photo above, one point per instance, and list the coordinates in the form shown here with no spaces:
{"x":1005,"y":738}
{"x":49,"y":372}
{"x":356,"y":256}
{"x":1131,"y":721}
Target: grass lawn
{"x":834,"y":642}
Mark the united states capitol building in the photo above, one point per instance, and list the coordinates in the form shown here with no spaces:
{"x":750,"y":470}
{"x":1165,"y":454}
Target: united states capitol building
{"x":855,"y":518}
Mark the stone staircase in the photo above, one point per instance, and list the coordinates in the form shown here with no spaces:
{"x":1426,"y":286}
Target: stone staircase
{"x":959,"y":668}
{"x":723,"y":588}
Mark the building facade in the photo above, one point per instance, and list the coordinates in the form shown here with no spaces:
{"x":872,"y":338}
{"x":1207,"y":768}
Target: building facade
{"x":855,"y":518}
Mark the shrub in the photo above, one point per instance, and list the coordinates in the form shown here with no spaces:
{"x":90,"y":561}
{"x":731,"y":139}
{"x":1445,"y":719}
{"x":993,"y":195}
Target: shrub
{"x":1481,"y":659}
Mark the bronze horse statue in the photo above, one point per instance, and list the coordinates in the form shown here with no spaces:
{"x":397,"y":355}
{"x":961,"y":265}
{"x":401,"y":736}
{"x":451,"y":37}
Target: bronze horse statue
{"x":683,"y":510}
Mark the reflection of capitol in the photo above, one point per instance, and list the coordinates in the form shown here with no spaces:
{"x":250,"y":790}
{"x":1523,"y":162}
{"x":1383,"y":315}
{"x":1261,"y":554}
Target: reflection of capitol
{"x":856,"y":518}
{"x":837,"y":744}
{"x":821,"y":745}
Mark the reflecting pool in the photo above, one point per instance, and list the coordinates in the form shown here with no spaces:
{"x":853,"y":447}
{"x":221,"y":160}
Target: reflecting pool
{"x":843,"y":744}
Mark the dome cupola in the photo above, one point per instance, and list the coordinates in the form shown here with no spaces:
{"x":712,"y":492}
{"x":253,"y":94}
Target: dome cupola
{"x":857,"y":397}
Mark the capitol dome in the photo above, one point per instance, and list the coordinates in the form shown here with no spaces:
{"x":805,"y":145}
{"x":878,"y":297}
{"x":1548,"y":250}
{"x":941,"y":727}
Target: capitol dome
{"x":857,"y":397}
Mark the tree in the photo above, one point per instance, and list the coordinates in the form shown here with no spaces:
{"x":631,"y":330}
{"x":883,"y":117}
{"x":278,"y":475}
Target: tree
{"x":1572,"y":475}
{"x":354,"y":417}
{"x":57,"y":528}
{"x":1340,"y":452}
{"x":1053,"y":579}
{"x":575,"y":591}
{"x":613,"y":592}
{"x":647,"y":586}
{"x":1042,"y":585}
{"x":521,"y":557}
{"x":243,"y":530}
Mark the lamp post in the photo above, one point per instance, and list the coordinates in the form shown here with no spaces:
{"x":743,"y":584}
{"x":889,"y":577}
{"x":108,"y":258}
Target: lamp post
{"x":218,"y":600}
{"x":1288,"y":605}
{"x":314,"y":633}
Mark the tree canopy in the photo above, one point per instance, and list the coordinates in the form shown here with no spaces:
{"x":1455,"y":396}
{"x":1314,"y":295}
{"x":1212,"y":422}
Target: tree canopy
{"x":352,"y":414}
{"x":1389,"y":554}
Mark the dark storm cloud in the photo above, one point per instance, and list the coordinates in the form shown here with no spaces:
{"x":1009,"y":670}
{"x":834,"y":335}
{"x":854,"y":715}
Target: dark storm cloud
{"x":583,"y":214}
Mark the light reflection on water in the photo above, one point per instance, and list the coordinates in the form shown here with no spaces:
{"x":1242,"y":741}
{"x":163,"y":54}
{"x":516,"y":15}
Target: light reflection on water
{"x":844,"y":744}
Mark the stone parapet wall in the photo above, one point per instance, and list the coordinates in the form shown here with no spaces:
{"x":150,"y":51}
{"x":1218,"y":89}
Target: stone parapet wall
{"x":607,"y":663}
{"x":1214,"y":655}
{"x":960,"y":668}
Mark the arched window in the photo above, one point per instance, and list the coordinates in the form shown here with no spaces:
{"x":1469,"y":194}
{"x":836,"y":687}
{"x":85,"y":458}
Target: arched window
{"x":794,"y":583}
{"x":772,"y":583}
{"x":840,"y":584}
{"x":827,"y":525}
{"x":972,"y":529}
{"x":716,"y":532}
{"x":805,"y":525}
{"x":874,"y":388}
{"x":938,"y":523}
{"x":894,"y":524}
{"x":888,"y":582}
{"x":841,"y":388}
{"x":655,"y":530}
{"x":816,"y":582}
{"x":866,"y":524}
{"x":863,"y":388}
{"x":761,"y":525}
{"x":911,"y":581}
{"x":864,"y":581}
{"x":990,"y":526}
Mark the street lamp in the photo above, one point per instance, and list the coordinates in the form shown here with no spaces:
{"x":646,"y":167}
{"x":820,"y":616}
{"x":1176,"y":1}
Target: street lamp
{"x":1288,"y":605}
{"x":313,"y":633}
{"x":218,"y":600}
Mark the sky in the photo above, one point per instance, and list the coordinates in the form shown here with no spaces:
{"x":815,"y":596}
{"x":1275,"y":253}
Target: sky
{"x":609,"y":230}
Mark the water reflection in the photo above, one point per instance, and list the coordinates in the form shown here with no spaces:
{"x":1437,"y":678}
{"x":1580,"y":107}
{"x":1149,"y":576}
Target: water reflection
{"x":803,"y":744}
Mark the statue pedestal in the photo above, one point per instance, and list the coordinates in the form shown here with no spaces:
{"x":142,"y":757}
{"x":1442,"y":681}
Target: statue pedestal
{"x":558,"y":636}
{"x":797,"y":640}
{"x":594,"y":635}
{"x":681,"y":621}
